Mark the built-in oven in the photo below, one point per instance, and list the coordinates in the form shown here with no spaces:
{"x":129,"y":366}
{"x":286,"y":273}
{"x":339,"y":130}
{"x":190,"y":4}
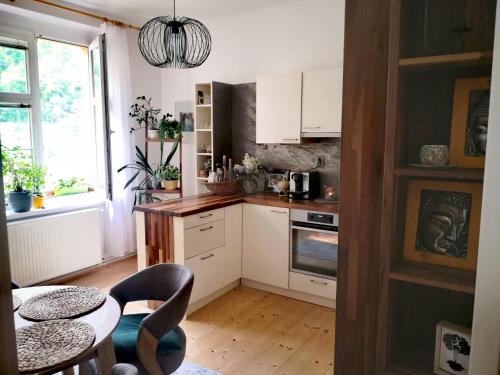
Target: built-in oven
{"x":314,"y":243}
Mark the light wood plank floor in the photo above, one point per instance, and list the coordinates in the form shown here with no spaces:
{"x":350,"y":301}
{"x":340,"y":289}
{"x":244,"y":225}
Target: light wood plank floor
{"x":246,"y":331}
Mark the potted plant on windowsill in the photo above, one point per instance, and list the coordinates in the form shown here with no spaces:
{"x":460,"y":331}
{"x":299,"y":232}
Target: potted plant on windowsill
{"x":17,"y":170}
{"x":170,"y":175}
{"x":74,"y":185}
{"x":38,"y":181}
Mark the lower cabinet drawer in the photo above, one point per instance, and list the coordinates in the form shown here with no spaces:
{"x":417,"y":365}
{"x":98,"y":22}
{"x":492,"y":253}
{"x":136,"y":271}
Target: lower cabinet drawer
{"x":207,"y":269}
{"x":313,"y":285}
{"x":202,"y":238}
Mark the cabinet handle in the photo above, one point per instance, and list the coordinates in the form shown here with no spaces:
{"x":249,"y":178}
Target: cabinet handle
{"x":205,"y":216}
{"x":208,"y":256}
{"x":318,"y":282}
{"x":279,"y":212}
{"x":205,"y":229}
{"x":289,"y":139}
{"x":312,"y":127}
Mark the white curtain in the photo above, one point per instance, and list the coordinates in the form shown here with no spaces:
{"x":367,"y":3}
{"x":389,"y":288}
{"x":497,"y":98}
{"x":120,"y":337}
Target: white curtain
{"x":119,"y":234}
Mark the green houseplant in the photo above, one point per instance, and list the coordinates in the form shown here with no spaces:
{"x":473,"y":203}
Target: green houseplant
{"x":145,"y":174}
{"x":170,"y":175}
{"x":146,"y":117}
{"x":74,"y":185}
{"x":38,"y":180}
{"x":18,"y":171}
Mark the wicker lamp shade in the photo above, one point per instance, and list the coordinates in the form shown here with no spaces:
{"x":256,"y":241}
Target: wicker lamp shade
{"x":170,"y":42}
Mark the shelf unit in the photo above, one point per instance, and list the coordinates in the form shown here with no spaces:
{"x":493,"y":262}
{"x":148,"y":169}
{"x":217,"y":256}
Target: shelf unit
{"x":416,"y":296}
{"x":212,"y":126}
{"x":166,"y":141}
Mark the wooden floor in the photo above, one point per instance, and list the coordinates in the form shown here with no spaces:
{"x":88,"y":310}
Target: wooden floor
{"x":246,"y":331}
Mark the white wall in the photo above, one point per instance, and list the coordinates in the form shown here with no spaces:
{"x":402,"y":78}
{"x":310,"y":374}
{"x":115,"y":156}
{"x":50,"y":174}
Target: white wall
{"x":300,"y":36}
{"x":485,"y":348}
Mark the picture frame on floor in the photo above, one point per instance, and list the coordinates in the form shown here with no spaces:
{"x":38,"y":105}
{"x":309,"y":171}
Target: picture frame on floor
{"x":442,"y":223}
{"x":452,"y":349}
{"x":469,"y":127}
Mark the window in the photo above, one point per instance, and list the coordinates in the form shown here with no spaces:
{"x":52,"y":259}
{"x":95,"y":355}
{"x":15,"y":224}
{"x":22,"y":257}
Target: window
{"x":47,"y":108}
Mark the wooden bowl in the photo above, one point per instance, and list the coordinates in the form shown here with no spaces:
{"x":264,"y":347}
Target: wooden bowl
{"x":223,"y":188}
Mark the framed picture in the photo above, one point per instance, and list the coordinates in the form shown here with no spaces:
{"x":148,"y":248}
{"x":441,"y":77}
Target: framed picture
{"x":452,"y":350}
{"x":442,"y":223}
{"x":273,"y":180}
{"x":469,"y":126}
{"x":184,"y":112}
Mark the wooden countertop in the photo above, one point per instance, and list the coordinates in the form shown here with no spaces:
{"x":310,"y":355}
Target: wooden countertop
{"x":205,"y":202}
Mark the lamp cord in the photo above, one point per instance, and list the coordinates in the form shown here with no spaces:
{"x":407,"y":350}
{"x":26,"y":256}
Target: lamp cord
{"x":174,"y":9}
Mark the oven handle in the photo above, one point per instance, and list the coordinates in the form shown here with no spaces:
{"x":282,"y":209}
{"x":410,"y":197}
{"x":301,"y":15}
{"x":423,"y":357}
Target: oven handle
{"x":332,"y":231}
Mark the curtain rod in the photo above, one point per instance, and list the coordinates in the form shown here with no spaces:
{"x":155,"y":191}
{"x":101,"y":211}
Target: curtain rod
{"x":88,"y":14}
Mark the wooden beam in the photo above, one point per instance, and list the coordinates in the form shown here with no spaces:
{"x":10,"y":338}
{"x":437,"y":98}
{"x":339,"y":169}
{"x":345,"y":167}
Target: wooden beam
{"x":361,"y":184}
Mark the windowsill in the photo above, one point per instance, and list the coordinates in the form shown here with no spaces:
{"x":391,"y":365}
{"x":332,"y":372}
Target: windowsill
{"x":58,"y":205}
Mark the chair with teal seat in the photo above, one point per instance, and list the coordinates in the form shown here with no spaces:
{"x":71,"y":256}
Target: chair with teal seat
{"x":154,"y":343}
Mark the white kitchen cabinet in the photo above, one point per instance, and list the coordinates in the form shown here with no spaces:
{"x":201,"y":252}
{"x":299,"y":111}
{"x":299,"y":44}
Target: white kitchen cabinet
{"x":266,"y":244}
{"x":313,"y":285}
{"x":279,"y":108}
{"x":220,"y":262}
{"x":322,"y":101}
{"x":207,"y":269}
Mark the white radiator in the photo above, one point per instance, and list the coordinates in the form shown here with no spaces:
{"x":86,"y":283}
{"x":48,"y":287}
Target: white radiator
{"x":52,"y":246}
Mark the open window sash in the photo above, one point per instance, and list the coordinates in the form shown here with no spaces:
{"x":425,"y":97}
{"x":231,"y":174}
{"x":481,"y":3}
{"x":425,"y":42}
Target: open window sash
{"x":100,"y":113}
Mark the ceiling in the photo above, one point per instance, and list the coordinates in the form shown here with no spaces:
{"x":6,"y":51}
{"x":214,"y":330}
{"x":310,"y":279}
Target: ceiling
{"x":139,"y":11}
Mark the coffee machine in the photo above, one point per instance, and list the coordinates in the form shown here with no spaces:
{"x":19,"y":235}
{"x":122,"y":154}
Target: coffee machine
{"x":304,"y":185}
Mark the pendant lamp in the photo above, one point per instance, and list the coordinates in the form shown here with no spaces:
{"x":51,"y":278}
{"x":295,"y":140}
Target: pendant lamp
{"x":174,"y":42}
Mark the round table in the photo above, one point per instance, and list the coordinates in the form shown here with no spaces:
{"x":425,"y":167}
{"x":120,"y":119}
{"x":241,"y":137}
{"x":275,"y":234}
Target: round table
{"x":104,"y":320}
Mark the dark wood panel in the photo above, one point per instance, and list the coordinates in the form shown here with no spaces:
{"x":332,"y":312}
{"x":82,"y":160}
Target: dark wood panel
{"x":8,"y":354}
{"x":362,"y":155}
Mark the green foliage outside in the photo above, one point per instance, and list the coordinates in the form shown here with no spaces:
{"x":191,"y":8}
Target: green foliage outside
{"x":60,"y":97}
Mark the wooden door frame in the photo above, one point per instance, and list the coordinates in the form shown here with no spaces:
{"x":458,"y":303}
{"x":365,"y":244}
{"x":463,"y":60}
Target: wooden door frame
{"x":8,"y":354}
{"x":366,"y":49}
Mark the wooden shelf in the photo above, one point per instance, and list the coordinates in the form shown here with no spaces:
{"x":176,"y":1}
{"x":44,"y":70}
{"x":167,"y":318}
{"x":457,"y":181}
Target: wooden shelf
{"x":470,"y":58}
{"x":157,"y":140}
{"x":163,"y":191}
{"x":203,"y":105}
{"x":203,"y":130}
{"x":438,"y":277}
{"x":202,"y":178}
{"x":204,"y":153}
{"x":469,"y":174}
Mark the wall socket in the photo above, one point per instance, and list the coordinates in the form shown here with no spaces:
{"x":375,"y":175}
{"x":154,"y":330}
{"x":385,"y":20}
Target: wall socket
{"x":319,"y":162}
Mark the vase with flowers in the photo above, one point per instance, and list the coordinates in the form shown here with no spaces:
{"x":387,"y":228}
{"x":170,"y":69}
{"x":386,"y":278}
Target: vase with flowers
{"x":248,"y":173}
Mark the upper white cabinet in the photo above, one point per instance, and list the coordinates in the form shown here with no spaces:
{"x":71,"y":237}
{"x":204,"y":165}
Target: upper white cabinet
{"x":279,"y":108}
{"x":322,"y":102}
{"x":266,"y":244}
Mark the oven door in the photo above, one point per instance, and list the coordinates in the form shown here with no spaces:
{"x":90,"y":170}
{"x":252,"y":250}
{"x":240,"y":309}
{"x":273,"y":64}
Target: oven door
{"x":314,"y":249}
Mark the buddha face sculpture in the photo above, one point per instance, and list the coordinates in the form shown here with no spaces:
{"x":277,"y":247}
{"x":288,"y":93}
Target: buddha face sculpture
{"x":477,"y":127}
{"x":443,"y":223}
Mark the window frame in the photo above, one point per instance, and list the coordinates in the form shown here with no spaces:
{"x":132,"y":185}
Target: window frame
{"x":32,"y":98}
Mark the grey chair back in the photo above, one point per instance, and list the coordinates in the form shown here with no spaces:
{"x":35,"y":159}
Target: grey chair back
{"x":168,"y":282}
